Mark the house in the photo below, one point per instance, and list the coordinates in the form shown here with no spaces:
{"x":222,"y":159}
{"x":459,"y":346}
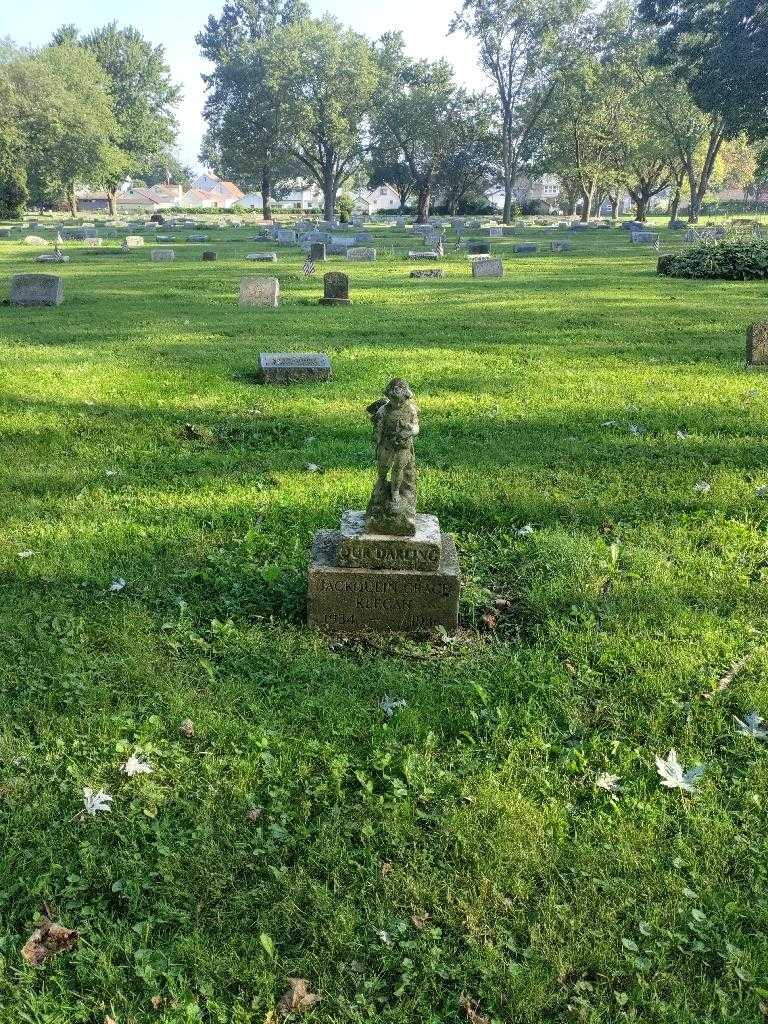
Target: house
{"x":223,"y":193}
{"x":381,"y":199}
{"x":92,"y":202}
{"x":251,"y":201}
{"x":138,"y":199}
{"x":167,"y":195}
{"x":197,"y":197}
{"x":545,"y":188}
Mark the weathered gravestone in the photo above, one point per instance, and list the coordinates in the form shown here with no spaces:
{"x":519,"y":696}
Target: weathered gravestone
{"x":285,"y":237}
{"x":34,"y":240}
{"x":209,"y":256}
{"x":526,"y":247}
{"x":260,"y":291}
{"x":757,"y":346}
{"x":386,"y":568}
{"x":496,"y":232}
{"x":479,"y":248}
{"x":335,"y":290}
{"x":262,"y":257}
{"x":133,"y":242}
{"x":36,"y":290}
{"x":197,"y":237}
{"x":317,"y":252}
{"x":293,"y":367}
{"x":420,"y":274}
{"x":425,"y":254}
{"x":162,"y":255}
{"x":487,"y":268}
{"x":561,"y":246}
{"x":361,"y":255}
{"x":644,"y":238}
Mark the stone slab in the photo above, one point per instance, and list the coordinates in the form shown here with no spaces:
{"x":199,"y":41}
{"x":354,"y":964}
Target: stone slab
{"x":757,"y":346}
{"x":293,"y":367}
{"x":162,"y":255}
{"x":262,"y":257}
{"x":346,"y":600}
{"x":422,"y":274}
{"x":526,"y":247}
{"x":335,"y":289}
{"x":479,"y":248}
{"x":361,"y":550}
{"x":36,"y":290}
{"x":133,"y":242}
{"x":260,"y":291}
{"x":360,"y":254}
{"x":487,"y":268}
{"x":317,"y":252}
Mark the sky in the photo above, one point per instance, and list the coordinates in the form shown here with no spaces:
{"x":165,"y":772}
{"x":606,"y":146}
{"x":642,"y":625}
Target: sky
{"x":174,"y":24}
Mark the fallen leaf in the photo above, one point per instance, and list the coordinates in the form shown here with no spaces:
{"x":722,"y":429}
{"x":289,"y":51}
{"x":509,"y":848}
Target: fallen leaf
{"x":253,"y":814}
{"x":157,"y":1002}
{"x":95,"y":802}
{"x":47,"y":940}
{"x":386,"y":868}
{"x":135,"y":766}
{"x":187,"y":728}
{"x":420,"y":920}
{"x":297,"y":998}
{"x":672,"y":775}
{"x":610,"y":783}
{"x":472,"y":1009}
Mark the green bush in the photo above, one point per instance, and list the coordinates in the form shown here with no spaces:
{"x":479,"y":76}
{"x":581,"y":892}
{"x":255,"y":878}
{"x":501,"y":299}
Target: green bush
{"x":738,"y":260}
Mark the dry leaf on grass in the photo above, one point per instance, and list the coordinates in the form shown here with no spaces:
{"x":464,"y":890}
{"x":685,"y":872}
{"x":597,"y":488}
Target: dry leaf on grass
{"x":48,"y":939}
{"x":420,"y":920}
{"x":157,"y":1002}
{"x":187,"y":728}
{"x":297,"y":998}
{"x":472,"y":1009}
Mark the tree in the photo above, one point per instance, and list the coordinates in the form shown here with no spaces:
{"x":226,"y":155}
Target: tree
{"x":416,"y":111}
{"x":143,"y":94}
{"x":247,"y":137}
{"x":66,"y":116}
{"x":467,"y":171}
{"x":388,"y":168}
{"x":519,"y":42}
{"x":13,"y":148}
{"x":719,"y":48}
{"x":326,"y":75}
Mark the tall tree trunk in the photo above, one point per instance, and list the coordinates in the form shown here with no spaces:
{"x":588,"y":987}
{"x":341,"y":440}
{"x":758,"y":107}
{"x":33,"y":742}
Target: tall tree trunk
{"x":266,"y":188}
{"x":674,"y":205}
{"x":613,"y":199}
{"x":587,"y":195}
{"x":641,"y":207}
{"x":329,"y":199}
{"x":112,"y":200}
{"x":508,"y":209}
{"x":422,"y":215}
{"x":72,"y":201}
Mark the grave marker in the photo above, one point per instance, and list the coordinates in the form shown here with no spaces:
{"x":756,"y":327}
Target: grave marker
{"x":757,"y":346}
{"x":487,"y":268}
{"x":36,"y":290}
{"x":293,"y":367}
{"x":260,"y":291}
{"x":335,"y":290}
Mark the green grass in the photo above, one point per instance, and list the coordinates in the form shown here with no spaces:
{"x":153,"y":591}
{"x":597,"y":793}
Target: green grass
{"x":476,"y":803}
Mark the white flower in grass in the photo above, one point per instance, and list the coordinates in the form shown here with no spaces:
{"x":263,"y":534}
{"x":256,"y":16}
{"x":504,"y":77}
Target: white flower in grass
{"x":702,"y":487}
{"x":674,"y":777}
{"x":135,"y":766}
{"x":635,"y":430}
{"x":96,"y":802}
{"x":752,"y":726}
{"x":524,"y":531}
{"x":26,"y":554}
{"x":389,"y":705}
{"x":384,"y":937}
{"x":110,"y":472}
{"x":682,"y":435}
{"x":610,"y":783}
{"x":610,"y":423}
{"x":116,"y":586}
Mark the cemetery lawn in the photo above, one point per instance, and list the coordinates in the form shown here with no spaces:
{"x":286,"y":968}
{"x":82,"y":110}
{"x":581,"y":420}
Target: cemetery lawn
{"x":425,"y":825}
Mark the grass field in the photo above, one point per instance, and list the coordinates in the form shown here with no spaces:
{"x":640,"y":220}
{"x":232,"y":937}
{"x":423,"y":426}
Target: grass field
{"x":458,"y":846}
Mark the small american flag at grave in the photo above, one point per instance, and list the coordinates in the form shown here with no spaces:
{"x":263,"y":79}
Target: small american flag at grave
{"x":309,"y":267}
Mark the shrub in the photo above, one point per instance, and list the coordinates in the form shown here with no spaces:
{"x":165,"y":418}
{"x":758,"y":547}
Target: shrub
{"x":731,"y":260}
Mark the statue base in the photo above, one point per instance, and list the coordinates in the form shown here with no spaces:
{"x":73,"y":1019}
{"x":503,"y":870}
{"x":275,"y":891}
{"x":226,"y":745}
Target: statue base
{"x":335,"y":302}
{"x":350,"y":598}
{"x":362,"y":548}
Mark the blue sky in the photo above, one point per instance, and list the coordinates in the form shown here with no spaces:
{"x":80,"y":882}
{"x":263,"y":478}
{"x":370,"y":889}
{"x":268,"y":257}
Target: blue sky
{"x":174,"y":24}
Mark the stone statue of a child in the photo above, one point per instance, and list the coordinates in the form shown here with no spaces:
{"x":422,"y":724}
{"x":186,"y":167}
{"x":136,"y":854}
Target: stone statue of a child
{"x":395,"y":418}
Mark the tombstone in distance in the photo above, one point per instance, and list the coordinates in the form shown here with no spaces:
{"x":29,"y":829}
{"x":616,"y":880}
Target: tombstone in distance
{"x":260,"y":291}
{"x":133,"y":242}
{"x":162,"y":255}
{"x":335,"y":290}
{"x":197,"y":237}
{"x":427,"y":273}
{"x":644,"y":238}
{"x":757,"y":346}
{"x":262,"y":257}
{"x":425,"y":255}
{"x":361,"y":255}
{"x":34,"y":240}
{"x":561,"y":246}
{"x":487,"y":268}
{"x":387,"y":567}
{"x":209,"y":256}
{"x":36,"y":290}
{"x":479,"y":248}
{"x":317,"y":252}
{"x":496,"y":232}
{"x":526,"y":247}
{"x":293,"y":367}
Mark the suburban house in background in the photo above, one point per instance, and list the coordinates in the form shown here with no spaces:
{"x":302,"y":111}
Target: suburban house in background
{"x":381,"y":199}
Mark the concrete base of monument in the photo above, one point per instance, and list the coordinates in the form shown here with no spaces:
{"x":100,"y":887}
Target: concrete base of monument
{"x":335,"y":302}
{"x":349,"y":600}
